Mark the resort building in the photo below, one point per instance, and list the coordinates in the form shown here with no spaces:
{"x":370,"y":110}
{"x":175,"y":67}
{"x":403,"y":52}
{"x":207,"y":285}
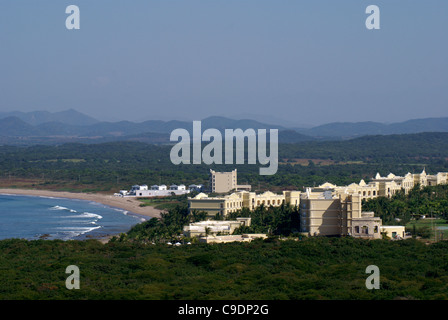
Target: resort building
{"x":223,"y":182}
{"x":214,"y":227}
{"x":220,"y":231}
{"x":386,"y":186}
{"x":330,"y":214}
{"x":223,"y":205}
{"x":326,"y":210}
{"x":322,"y":213}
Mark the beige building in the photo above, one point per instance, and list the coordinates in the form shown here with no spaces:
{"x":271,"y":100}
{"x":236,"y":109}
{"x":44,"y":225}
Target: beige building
{"x":223,"y":182}
{"x":394,"y":232}
{"x":386,"y":186}
{"x":223,"y":205}
{"x":330,"y":214}
{"x":220,"y":231}
{"x":366,"y":226}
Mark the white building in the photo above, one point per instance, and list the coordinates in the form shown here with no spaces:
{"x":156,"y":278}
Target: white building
{"x":155,"y":191}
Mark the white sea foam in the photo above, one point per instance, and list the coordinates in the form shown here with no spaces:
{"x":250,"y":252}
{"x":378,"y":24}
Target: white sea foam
{"x":84,"y":215}
{"x":59,"y":208}
{"x":71,"y":233}
{"x":91,"y":215}
{"x":78,"y":228}
{"x":122,"y":211}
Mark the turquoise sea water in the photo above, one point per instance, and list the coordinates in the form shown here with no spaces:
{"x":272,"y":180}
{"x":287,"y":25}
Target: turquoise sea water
{"x":31,"y":218}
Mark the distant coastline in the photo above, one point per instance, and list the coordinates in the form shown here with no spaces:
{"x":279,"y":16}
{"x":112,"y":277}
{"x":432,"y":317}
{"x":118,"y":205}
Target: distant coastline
{"x":129,"y":204}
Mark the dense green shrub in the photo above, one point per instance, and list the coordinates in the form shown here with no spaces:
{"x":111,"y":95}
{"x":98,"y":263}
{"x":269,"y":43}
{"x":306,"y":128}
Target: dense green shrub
{"x":315,"y":268}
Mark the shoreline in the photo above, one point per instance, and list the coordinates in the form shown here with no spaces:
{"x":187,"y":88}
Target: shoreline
{"x":128,"y":204}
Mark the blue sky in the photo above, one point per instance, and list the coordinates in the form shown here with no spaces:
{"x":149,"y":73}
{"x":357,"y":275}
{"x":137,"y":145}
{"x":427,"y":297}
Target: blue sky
{"x":302,"y":62}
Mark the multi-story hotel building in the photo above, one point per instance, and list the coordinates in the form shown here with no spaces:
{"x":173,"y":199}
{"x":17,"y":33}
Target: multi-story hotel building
{"x":223,"y":182}
{"x":328,"y":214}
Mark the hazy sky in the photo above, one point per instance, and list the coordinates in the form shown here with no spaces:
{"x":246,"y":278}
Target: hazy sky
{"x":305,"y":62}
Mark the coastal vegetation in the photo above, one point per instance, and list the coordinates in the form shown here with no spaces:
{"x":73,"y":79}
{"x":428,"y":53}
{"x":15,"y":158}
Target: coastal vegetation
{"x":313,"y":268}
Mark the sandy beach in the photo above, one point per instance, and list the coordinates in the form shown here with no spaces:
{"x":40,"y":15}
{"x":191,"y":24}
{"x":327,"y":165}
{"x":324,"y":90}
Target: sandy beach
{"x":128,"y":204}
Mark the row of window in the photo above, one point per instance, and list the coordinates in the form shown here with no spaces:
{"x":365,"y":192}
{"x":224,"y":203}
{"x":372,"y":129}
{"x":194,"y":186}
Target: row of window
{"x":368,"y":193}
{"x":269,"y":202}
{"x":365,"y":229}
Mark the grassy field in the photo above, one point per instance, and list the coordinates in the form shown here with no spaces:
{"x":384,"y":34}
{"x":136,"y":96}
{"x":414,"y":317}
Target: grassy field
{"x":164,"y":203}
{"x":434,"y":229}
{"x":57,"y":185}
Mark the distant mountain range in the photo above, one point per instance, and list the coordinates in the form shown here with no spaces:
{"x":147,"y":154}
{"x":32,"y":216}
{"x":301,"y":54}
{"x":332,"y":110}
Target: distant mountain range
{"x":71,"y":117}
{"x":356,"y":129}
{"x":72,"y":126}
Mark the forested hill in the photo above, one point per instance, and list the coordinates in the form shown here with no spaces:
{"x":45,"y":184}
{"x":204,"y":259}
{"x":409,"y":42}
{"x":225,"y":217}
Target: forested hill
{"x":397,"y":146}
{"x":421,"y":145}
{"x":118,"y":165}
{"x":357,"y":129}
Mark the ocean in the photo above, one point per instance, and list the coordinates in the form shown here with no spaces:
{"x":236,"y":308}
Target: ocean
{"x":32,"y":218}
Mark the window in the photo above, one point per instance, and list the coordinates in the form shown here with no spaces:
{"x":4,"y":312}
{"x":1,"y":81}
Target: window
{"x":357,"y":229}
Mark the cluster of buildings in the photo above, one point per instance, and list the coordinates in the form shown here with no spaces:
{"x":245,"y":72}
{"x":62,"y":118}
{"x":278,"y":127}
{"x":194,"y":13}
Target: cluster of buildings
{"x":387,"y":186}
{"x":219,"y":182}
{"x":211,"y":231}
{"x":159,"y":190}
{"x":326,"y":210}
